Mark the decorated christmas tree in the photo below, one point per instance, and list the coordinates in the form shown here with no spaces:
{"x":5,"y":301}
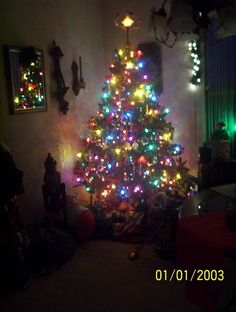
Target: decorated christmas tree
{"x":129,"y":151}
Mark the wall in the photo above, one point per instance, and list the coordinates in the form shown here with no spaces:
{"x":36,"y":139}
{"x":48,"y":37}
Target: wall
{"x":75,"y":25}
{"x":187,"y":107}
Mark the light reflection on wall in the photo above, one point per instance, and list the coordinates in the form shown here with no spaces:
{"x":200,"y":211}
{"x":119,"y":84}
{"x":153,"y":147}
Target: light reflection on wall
{"x":66,"y":160}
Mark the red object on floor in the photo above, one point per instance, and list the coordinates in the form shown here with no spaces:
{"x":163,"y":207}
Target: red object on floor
{"x":201,"y":244}
{"x":84,"y":226}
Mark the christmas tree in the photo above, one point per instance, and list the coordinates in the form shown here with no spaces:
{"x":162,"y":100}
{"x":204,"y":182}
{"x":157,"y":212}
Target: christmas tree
{"x":129,"y":151}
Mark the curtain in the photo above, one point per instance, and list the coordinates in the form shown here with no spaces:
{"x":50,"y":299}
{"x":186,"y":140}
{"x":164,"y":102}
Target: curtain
{"x":221,"y":86}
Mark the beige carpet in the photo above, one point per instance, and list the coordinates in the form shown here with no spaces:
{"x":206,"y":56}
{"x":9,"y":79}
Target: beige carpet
{"x":100,"y":277}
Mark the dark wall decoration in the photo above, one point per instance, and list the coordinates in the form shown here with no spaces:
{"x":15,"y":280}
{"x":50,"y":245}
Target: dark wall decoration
{"x":78,"y":80}
{"x":152,"y":56}
{"x":56,"y":54}
{"x":25,"y":71}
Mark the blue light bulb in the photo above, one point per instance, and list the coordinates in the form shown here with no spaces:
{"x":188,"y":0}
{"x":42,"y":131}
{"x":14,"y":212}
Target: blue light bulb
{"x":140,"y":65}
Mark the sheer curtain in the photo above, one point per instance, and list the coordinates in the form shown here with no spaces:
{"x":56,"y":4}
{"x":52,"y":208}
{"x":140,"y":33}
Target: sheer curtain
{"x":221,"y":86}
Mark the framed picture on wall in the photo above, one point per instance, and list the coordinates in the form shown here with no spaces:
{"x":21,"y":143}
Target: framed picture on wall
{"x":26,"y":80}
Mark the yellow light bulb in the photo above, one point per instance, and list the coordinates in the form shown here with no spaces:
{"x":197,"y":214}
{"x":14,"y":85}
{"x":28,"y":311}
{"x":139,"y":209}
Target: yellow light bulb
{"x":79,"y":154}
{"x":150,"y":112}
{"x":113,"y":186}
{"x":139,"y":93}
{"x":113,"y":80}
{"x":98,"y":132}
{"x":178,"y":176}
{"x":104,"y":193}
{"x":117,"y":150}
{"x":120,"y":52}
{"x":16,"y":100}
{"x":166,"y":136}
{"x":129,"y":65}
{"x":127,"y":21}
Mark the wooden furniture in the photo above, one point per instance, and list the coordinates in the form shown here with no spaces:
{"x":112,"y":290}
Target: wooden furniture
{"x":202,"y":243}
{"x":54,"y":194}
{"x":216,"y":172}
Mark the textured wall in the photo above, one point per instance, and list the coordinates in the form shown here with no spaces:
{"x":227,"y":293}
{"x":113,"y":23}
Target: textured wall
{"x":186,"y":106}
{"x":75,"y":25}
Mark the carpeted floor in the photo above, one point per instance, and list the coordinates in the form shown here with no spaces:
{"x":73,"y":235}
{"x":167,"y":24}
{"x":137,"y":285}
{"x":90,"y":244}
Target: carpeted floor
{"x":100,"y":277}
